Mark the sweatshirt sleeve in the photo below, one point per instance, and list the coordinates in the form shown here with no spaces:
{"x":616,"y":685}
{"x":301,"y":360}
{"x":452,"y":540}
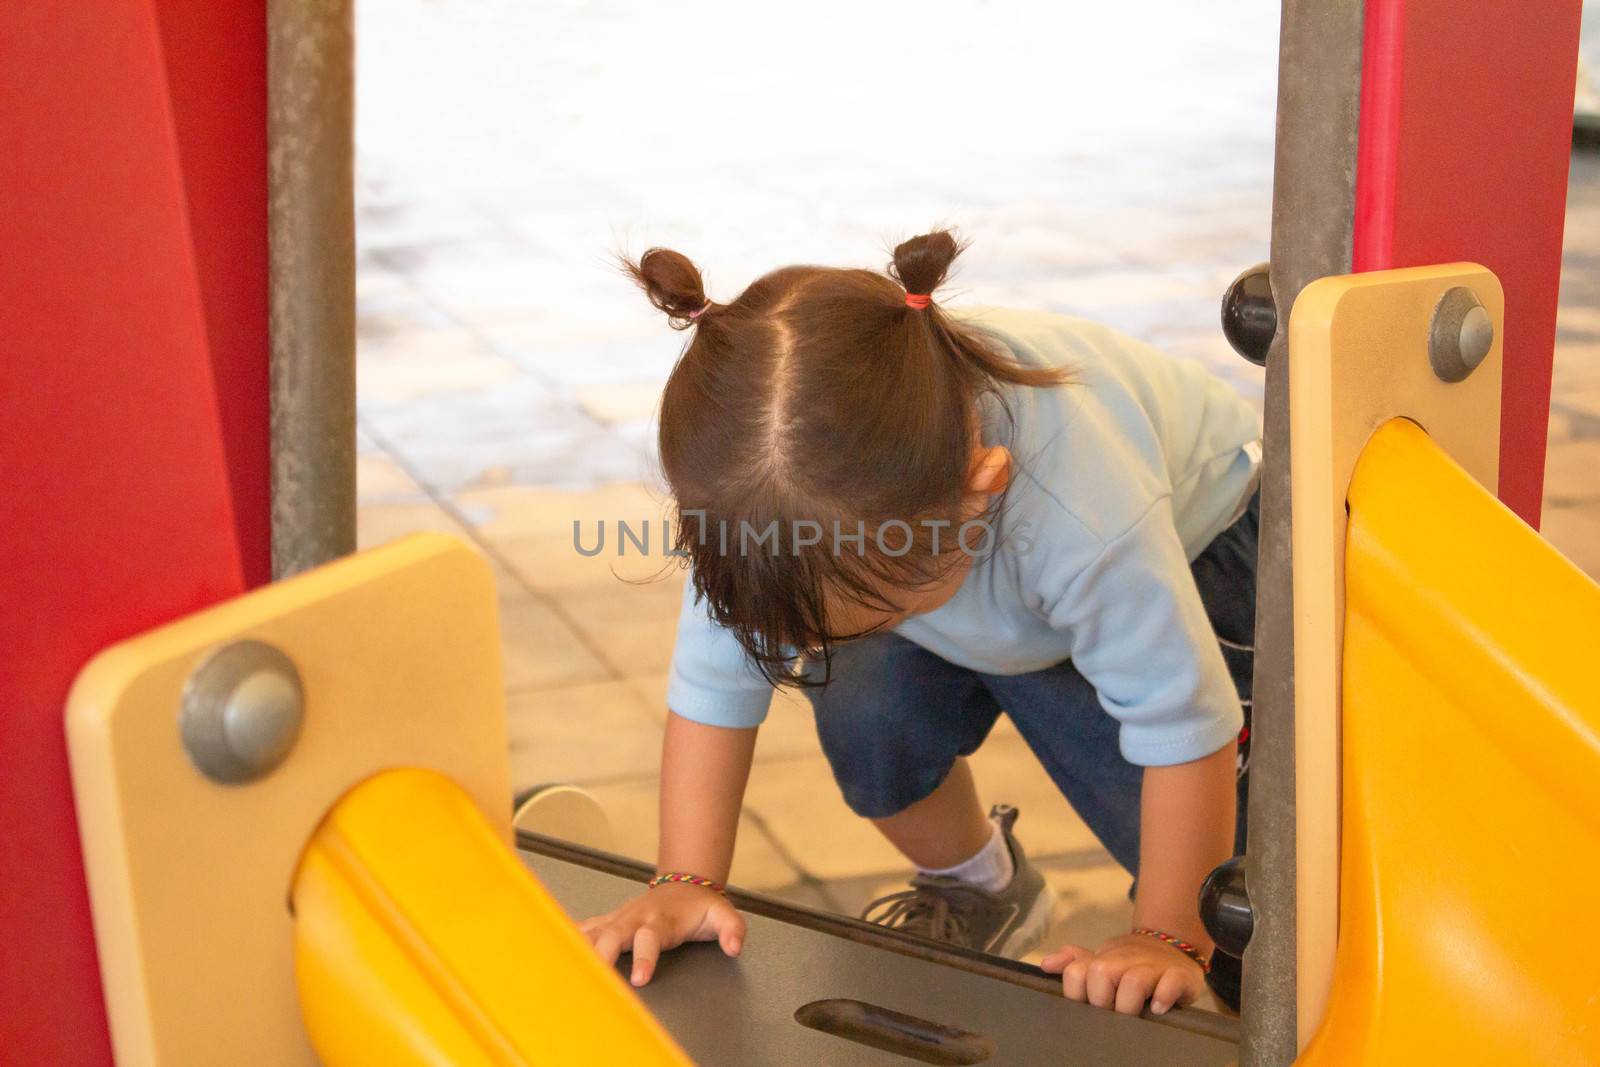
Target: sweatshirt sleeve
{"x":1140,"y":635}
{"x":712,"y":679}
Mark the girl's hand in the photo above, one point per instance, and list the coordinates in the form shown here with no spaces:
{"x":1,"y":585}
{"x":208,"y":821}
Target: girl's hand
{"x":1126,"y":972}
{"x":664,"y":918}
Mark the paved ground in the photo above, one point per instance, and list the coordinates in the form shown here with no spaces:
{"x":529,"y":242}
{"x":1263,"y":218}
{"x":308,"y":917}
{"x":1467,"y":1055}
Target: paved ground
{"x":508,"y":374}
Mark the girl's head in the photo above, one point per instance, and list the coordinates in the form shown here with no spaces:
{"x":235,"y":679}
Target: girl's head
{"x":822,"y":437}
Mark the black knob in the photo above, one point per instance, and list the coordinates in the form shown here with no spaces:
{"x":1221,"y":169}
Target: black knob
{"x":1249,"y":315}
{"x":1225,"y":907}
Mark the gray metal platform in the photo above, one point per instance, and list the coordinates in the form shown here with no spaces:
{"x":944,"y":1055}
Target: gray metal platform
{"x":741,"y":1013}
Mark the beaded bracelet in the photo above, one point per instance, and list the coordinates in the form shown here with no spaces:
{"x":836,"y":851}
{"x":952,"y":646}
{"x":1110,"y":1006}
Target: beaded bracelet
{"x":1179,"y":944}
{"x":678,"y":878}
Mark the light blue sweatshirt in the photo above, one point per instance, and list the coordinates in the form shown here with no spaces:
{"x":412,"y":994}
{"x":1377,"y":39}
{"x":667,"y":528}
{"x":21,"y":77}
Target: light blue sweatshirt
{"x":1120,"y":479}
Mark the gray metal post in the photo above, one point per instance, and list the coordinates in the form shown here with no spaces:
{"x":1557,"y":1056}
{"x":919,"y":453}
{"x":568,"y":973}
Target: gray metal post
{"x":1313,"y":210}
{"x":311,"y":242}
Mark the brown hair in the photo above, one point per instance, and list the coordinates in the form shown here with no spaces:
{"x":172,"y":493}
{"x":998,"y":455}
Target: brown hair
{"x":818,"y":396}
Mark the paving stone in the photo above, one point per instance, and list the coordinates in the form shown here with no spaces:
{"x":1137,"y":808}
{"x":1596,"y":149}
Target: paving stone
{"x":594,"y":732}
{"x":1575,"y":532}
{"x":534,"y":531}
{"x":582,"y":358}
{"x":631,"y":626}
{"x":398,"y":379}
{"x":517,"y":432}
{"x":472,"y":280}
{"x":801,"y":807}
{"x":622,"y":402}
{"x":380,"y":479}
{"x":391,"y":307}
{"x":378,"y":523}
{"x":1580,"y":403}
{"x":542,"y":650}
{"x":1572,"y":473}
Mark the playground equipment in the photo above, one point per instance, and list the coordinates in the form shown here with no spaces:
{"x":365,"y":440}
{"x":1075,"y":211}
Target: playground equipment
{"x":377,"y":913}
{"x":1464,"y":636}
{"x":249,"y":760}
{"x":367,"y":892}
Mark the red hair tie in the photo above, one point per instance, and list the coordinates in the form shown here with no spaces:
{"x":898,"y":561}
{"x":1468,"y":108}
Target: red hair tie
{"x":918,"y":300}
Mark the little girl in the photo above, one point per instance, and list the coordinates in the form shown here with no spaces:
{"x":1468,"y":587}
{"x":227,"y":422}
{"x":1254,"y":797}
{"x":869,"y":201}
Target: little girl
{"x":925,"y":516}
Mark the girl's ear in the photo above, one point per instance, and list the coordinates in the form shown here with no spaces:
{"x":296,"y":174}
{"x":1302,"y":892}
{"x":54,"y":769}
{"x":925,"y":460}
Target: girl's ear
{"x":988,"y":471}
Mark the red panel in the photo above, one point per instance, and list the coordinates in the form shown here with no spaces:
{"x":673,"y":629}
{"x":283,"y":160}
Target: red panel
{"x":216,"y":63}
{"x":1466,"y":130}
{"x":116,"y":511}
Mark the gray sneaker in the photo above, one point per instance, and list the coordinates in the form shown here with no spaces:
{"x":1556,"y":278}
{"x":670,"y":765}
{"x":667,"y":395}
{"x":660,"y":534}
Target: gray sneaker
{"x":1009,"y":923}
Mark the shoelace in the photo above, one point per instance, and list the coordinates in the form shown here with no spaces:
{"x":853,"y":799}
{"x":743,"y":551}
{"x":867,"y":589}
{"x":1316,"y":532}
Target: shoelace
{"x":923,"y":912}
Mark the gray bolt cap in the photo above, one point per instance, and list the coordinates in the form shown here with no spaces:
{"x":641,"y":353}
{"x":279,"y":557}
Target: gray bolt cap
{"x":1460,"y":336}
{"x":242,"y":710}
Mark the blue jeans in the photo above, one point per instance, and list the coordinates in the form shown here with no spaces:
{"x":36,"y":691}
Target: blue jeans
{"x":894,"y":717}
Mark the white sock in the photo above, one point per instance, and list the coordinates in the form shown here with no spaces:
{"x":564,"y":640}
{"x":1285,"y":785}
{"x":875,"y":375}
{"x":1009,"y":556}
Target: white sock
{"x":990,"y":870}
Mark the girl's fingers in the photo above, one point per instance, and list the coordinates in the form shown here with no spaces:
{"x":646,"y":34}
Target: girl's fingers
{"x":1175,"y":988}
{"x":1116,"y":980}
{"x":608,"y":943}
{"x":593,"y":925}
{"x":1057,"y":961}
{"x":726,"y":922}
{"x":1134,"y":987}
{"x":1075,"y":978}
{"x":1102,"y":981}
{"x":646,"y":950}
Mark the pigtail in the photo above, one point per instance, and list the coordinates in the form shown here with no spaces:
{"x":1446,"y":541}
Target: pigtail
{"x":672,"y":283}
{"x":921,"y":264}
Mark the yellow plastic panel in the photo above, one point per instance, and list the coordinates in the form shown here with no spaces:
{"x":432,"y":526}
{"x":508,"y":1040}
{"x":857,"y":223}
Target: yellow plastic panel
{"x":420,"y":939}
{"x":398,"y":650}
{"x":1471,"y":779}
{"x":1358,"y":344}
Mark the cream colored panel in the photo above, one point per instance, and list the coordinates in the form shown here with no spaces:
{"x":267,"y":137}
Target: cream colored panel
{"x":1358,"y":357}
{"x":399,"y":655}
